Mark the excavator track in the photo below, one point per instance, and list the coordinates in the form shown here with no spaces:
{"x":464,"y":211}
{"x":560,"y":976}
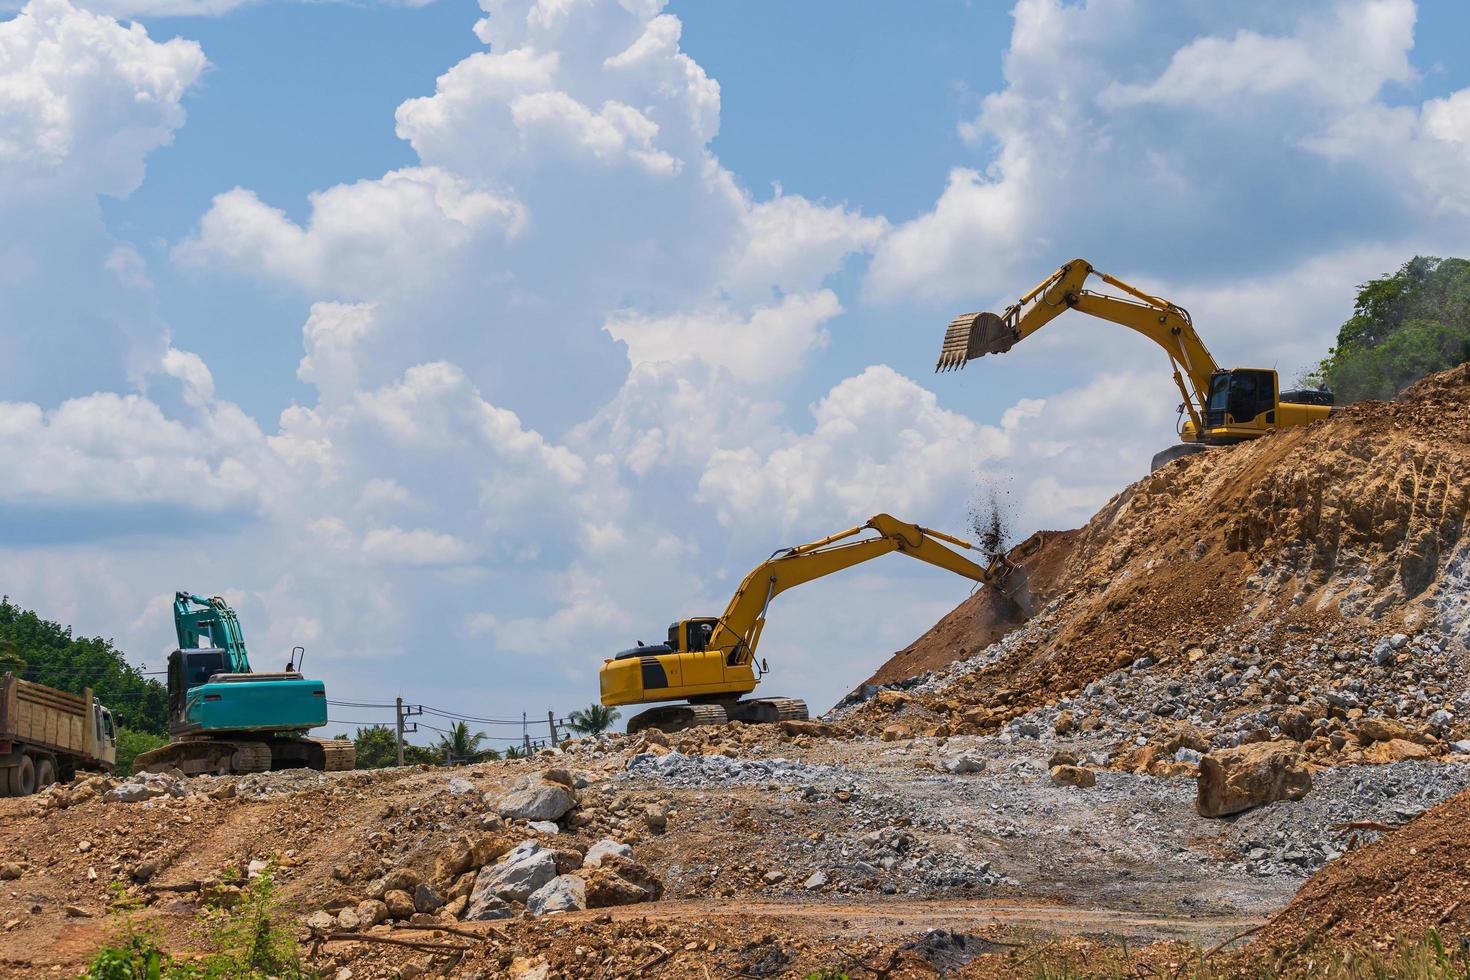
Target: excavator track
{"x":206,"y":756}
{"x":321,"y":754}
{"x":670,"y":718}
{"x":209,"y":756}
{"x":767,"y":711}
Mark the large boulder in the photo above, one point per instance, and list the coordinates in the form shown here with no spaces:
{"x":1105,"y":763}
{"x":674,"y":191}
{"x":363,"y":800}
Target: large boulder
{"x":427,"y":899}
{"x":538,"y":800}
{"x":399,"y":879}
{"x":453,"y":861}
{"x":489,"y":848}
{"x":485,"y":906}
{"x":621,"y":882}
{"x":399,"y":903}
{"x":1396,"y":750}
{"x":134,"y":792}
{"x":1384,"y":730}
{"x":634,"y":873}
{"x":1068,"y":775}
{"x":964,"y":763}
{"x":371,"y":912}
{"x":1232,"y":780}
{"x":521,"y":872}
{"x":564,"y":893}
{"x":602,"y":849}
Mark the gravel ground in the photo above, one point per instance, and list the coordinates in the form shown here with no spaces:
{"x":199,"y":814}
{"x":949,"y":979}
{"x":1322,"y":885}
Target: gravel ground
{"x":887,"y":818}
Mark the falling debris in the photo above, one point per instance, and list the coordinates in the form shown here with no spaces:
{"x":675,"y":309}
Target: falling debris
{"x":991,"y":518}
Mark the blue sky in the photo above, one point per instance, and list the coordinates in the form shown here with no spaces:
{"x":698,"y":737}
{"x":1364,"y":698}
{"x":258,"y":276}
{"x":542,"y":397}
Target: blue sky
{"x":464,"y":359}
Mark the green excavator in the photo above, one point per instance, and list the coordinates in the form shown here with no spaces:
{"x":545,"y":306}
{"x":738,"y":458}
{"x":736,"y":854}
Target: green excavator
{"x":223,"y":717}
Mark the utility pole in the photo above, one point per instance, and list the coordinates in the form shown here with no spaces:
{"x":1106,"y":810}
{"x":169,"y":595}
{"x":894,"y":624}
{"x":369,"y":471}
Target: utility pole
{"x":551,"y":720}
{"x":400,"y":713}
{"x":525,"y":735}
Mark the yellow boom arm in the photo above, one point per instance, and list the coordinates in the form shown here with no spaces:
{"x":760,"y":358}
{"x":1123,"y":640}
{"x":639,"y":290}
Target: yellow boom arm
{"x":739,"y":628}
{"x":710,"y":661}
{"x":973,"y":335}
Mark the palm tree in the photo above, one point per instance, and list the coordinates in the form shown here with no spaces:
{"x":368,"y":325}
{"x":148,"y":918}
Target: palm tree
{"x":592,"y":720}
{"x":461,"y":746}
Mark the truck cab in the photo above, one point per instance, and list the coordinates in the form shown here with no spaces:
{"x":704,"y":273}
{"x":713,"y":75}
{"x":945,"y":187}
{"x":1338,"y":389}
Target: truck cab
{"x":104,"y":735}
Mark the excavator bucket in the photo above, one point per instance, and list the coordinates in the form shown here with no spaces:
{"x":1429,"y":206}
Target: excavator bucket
{"x":1014,"y":582}
{"x":1016,"y":586}
{"x":972,"y":335}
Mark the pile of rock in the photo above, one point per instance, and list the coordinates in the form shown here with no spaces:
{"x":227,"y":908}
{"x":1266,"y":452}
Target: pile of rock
{"x":491,"y":878}
{"x":504,"y":872}
{"x":545,"y":880}
{"x":59,"y":796}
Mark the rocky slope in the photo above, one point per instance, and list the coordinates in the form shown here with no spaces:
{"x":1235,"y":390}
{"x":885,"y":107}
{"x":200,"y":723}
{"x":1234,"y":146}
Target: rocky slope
{"x":1311,"y":584}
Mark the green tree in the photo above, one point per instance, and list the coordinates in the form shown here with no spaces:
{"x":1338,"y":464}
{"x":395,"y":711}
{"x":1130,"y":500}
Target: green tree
{"x":422,"y":755}
{"x":376,"y":747}
{"x":54,"y":657}
{"x":592,"y":720}
{"x":1404,"y":326}
{"x":461,"y":746}
{"x":131,"y":744}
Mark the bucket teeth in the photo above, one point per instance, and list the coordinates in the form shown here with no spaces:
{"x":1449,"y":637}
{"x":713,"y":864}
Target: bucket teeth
{"x":973,"y":335}
{"x":954,"y":353}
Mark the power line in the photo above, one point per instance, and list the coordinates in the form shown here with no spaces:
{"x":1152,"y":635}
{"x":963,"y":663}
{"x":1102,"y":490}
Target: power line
{"x":494,"y":738}
{"x":482,"y":721}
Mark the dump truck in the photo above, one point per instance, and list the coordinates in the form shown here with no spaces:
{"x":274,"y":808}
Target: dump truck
{"x":47,"y":736}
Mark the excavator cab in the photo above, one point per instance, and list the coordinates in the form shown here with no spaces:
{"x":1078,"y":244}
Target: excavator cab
{"x":1247,"y":402}
{"x":1242,"y":398}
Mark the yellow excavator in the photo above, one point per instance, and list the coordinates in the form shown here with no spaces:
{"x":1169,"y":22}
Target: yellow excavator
{"x":1224,"y":407}
{"x":709,"y":662}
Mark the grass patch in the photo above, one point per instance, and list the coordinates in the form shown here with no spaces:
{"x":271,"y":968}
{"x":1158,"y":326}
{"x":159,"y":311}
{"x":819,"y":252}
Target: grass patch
{"x":247,"y":933}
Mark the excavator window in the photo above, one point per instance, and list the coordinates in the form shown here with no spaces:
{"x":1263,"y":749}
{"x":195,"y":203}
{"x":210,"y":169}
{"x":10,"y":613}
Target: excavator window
{"x":200,"y":667}
{"x":1242,"y":397}
{"x":1237,"y":397}
{"x":699,"y":635}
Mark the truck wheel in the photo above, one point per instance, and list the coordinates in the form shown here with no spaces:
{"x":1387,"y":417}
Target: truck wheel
{"x":23,"y":777}
{"x":45,"y":773}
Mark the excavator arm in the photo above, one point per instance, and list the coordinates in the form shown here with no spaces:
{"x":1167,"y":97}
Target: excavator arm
{"x":973,"y":335}
{"x":738,"y":630}
{"x":213,"y":621}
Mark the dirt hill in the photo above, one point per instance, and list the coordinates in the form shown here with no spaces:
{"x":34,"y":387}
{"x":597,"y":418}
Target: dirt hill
{"x":1322,"y":569}
{"x":1395,"y":889}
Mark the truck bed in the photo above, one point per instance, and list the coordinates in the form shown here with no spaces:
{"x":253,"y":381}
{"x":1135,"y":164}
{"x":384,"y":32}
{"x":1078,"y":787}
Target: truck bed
{"x":44,"y":717}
